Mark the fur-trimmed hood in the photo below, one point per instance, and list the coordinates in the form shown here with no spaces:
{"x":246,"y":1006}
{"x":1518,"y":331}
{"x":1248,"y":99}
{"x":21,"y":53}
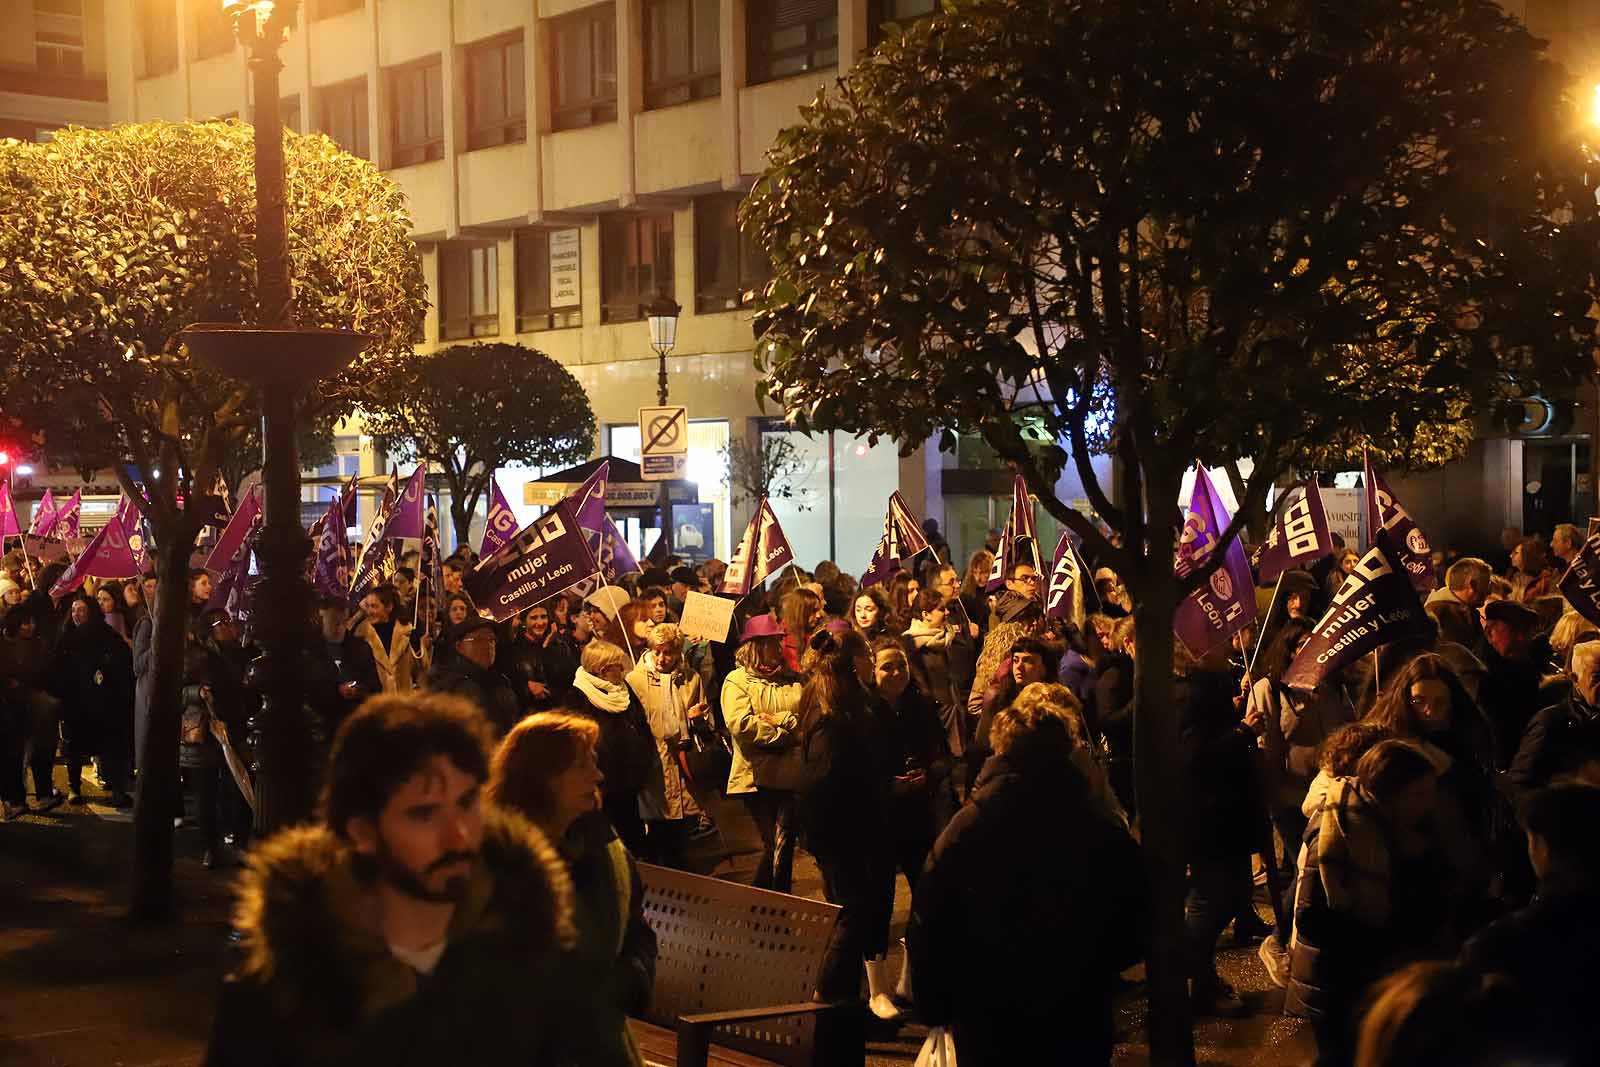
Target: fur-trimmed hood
{"x":310,"y":934}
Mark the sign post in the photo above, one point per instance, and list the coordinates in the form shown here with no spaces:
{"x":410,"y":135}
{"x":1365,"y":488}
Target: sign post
{"x":663,"y":455}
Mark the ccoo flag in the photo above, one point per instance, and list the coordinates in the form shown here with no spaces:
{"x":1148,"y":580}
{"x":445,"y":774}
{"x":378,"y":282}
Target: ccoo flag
{"x":1019,"y":540}
{"x":1375,"y":605}
{"x":1299,"y":534}
{"x":1226,"y":603}
{"x":108,"y":555}
{"x":762,"y":551}
{"x":501,"y":525}
{"x":1581,"y":584}
{"x":902,"y":540}
{"x":543,"y":559}
{"x":1388,"y":521}
{"x":1064,"y":595}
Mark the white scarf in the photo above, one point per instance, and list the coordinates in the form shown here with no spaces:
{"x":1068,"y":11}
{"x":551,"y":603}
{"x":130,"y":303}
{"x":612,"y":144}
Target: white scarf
{"x":601,"y":693}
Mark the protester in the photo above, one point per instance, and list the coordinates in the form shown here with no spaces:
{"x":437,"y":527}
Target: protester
{"x":465,"y":667}
{"x":350,"y":656}
{"x":542,"y":659}
{"x":1012,"y":657}
{"x":1530,"y":576}
{"x":801,"y":612}
{"x":871,"y":614}
{"x":1467,"y":581}
{"x":1515,"y":656}
{"x":974,"y":597}
{"x":546,"y":770}
{"x":844,"y":808}
{"x":627,"y":749}
{"x":1563,"y":740}
{"x":921,"y":799}
{"x":25,"y":669}
{"x":414,"y":924}
{"x":94,"y":680}
{"x":942,"y":658}
{"x":1060,"y":901}
{"x":673,"y":698}
{"x":388,"y":638}
{"x":760,"y":699}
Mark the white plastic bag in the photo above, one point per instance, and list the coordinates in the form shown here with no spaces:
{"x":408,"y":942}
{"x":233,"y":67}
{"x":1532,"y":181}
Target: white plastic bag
{"x":939,"y":1050}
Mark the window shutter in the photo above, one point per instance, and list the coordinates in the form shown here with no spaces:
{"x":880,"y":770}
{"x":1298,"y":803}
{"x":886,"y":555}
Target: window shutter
{"x":790,"y":13}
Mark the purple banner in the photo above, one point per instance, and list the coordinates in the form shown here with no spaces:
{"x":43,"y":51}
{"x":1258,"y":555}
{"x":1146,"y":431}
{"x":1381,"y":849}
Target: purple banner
{"x":1388,"y":521}
{"x":902,"y":539}
{"x":406,"y":521}
{"x":330,"y":575}
{"x":65,"y":525}
{"x":501,"y":525}
{"x":239,"y":527}
{"x":374,"y":549}
{"x":1226,"y":603}
{"x":8,"y":514}
{"x":1581,"y":584}
{"x":762,"y":551}
{"x":1064,"y":596}
{"x":615,"y":557}
{"x":108,"y":554}
{"x":543,"y":559}
{"x":1299,"y":534}
{"x":1374,"y":606}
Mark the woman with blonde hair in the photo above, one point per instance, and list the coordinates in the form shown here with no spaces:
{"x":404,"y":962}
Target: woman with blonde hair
{"x":759,"y":699}
{"x":547,"y":771}
{"x":673,"y":697}
{"x":627,"y":749}
{"x":974,"y":596}
{"x":1052,"y":698}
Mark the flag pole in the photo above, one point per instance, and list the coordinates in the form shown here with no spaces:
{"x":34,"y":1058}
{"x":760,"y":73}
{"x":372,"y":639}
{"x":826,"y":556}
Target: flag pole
{"x":1262,"y":636}
{"x":1377,"y":680}
{"x":627,"y":640}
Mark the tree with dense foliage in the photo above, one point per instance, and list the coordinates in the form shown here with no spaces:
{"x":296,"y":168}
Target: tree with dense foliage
{"x":111,"y":241}
{"x":469,"y":409}
{"x":1179,"y":230}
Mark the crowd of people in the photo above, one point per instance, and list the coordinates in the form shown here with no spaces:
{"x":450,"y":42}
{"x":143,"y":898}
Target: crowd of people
{"x":1422,"y":822}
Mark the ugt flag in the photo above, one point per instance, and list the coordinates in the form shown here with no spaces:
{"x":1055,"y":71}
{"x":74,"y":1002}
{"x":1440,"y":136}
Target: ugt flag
{"x":44,"y":516}
{"x":501,"y":525}
{"x":762,"y":551}
{"x":1226,"y":603}
{"x":1581,"y":584}
{"x":1375,"y":605}
{"x":902,"y":540}
{"x":374,"y":556}
{"x":1064,"y":595}
{"x":543,"y":559}
{"x":1019,"y":540}
{"x":1299,"y":535}
{"x":330,"y":574}
{"x":1388,"y":521}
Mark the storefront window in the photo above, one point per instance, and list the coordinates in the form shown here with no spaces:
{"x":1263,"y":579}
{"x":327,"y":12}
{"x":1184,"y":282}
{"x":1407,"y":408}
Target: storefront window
{"x":708,"y":439}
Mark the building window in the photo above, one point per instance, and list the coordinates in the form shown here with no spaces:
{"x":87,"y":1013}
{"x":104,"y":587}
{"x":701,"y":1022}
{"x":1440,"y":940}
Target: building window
{"x":728,"y":266}
{"x":416,"y":97}
{"x":213,"y":29}
{"x":58,"y":37}
{"x":342,"y":115}
{"x":497,"y":102}
{"x":549,"y":293}
{"x":901,"y":13}
{"x":158,"y":32}
{"x":469,"y":290}
{"x":289,"y":113}
{"x":792,"y":37}
{"x":584,"y":45}
{"x":635,"y":264}
{"x":326,"y":9}
{"x":682,"y":53}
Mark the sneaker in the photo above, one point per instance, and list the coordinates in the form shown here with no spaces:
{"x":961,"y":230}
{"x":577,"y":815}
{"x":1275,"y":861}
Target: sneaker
{"x":1275,"y":958}
{"x":50,"y":803}
{"x":1217,"y":998}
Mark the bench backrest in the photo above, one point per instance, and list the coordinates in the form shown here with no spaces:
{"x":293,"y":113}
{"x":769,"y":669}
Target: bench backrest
{"x":723,"y":946}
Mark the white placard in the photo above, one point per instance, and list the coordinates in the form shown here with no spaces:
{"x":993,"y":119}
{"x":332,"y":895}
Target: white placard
{"x":564,"y":275}
{"x":1347,"y":515}
{"x":706,"y":616}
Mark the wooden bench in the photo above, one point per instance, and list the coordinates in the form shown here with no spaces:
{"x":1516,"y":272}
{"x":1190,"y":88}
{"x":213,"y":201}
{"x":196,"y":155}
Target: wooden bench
{"x":735,"y":975}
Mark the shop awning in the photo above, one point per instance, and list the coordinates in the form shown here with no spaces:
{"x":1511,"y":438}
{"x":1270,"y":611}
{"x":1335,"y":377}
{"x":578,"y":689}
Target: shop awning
{"x":626,"y":490}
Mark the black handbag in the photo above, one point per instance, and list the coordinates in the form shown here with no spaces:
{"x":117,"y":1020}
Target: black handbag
{"x":705,"y":756}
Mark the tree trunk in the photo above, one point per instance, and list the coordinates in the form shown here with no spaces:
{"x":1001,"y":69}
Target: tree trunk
{"x":156,"y":798}
{"x":1158,"y":768}
{"x":460,"y":518}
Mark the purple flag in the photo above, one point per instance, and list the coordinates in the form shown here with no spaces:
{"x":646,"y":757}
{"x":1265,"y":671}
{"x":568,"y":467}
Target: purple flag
{"x":44,"y":516}
{"x":8,"y":514}
{"x":1226,"y":603}
{"x":375,"y":548}
{"x":615,"y":557}
{"x":1019,"y":540}
{"x":501,"y":525}
{"x":65,"y":525}
{"x":1064,"y":595}
{"x":1388,"y":521}
{"x":543,"y":559}
{"x":108,"y":554}
{"x":330,"y":575}
{"x":430,"y":572}
{"x":762,"y":551}
{"x":1374,"y":606}
{"x":1299,"y":533}
{"x":1581,"y":584}
{"x":589,"y":502}
{"x":902,"y":540}
{"x":238,"y":530}
{"x":407,"y":518}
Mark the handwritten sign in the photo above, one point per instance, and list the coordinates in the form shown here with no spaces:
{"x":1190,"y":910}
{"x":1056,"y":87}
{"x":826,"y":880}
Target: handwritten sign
{"x":706,"y":616}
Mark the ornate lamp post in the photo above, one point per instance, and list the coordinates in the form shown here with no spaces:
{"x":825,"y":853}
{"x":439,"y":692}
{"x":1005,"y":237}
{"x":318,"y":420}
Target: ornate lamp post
{"x":280,"y":361}
{"x":662,"y":313}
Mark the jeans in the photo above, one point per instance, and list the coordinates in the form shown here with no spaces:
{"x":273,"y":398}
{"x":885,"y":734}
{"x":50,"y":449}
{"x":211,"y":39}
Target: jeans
{"x":774,"y":813}
{"x":1219,"y":889}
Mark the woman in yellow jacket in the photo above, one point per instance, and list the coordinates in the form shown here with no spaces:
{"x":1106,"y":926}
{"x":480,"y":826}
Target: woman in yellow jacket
{"x":759,"y":699}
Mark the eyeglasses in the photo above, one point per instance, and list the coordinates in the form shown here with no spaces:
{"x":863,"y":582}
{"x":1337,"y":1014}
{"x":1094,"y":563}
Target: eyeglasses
{"x":1029,"y":579}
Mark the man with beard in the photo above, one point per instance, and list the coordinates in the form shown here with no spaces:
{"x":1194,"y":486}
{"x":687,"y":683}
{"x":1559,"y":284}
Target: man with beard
{"x":416,"y":925}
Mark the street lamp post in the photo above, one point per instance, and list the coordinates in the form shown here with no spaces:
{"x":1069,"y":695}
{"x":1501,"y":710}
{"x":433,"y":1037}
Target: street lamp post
{"x":280,"y":361}
{"x":662,"y":314}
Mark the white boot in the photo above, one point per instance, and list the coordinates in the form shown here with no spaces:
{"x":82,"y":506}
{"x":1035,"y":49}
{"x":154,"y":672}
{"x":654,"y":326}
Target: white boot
{"x":879,"y":1002}
{"x":902,"y":987}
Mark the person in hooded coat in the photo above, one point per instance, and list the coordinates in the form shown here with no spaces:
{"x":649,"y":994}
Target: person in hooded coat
{"x":94,"y":678}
